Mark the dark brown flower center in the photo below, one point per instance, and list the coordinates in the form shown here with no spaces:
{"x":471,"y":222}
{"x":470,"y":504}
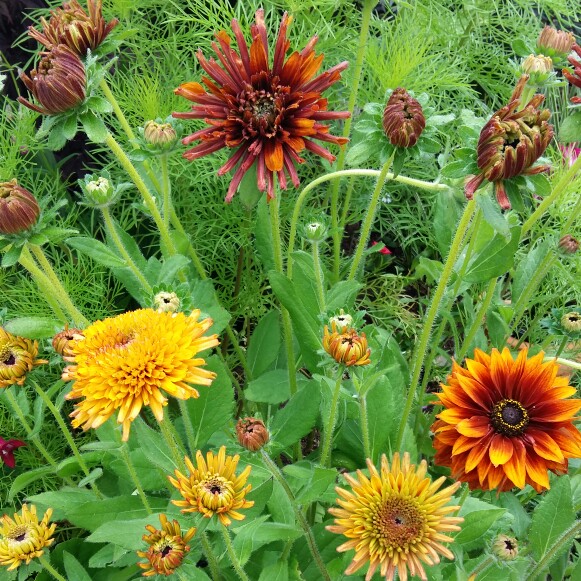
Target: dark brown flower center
{"x":166,"y":551}
{"x":261,"y":111}
{"x":509,"y":417}
{"x":508,"y":545}
{"x":18,"y":533}
{"x":7,"y":356}
{"x":397,"y":522}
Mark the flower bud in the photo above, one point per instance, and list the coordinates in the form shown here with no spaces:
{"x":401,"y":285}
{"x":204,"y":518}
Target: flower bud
{"x":342,"y":321}
{"x":571,"y":322}
{"x":17,"y":358}
{"x":162,"y":135}
{"x":315,"y":231}
{"x":568,"y":244}
{"x":348,"y":347}
{"x":58,"y":83}
{"x":538,"y":67}
{"x":252,"y":433}
{"x":555,"y":43}
{"x":19,"y":209}
{"x":73,"y":27}
{"x":505,"y":548}
{"x":165,"y":302}
{"x":403,"y":119}
{"x":61,"y":341}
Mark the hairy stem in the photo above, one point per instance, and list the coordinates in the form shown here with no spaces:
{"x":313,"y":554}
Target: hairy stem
{"x":166,"y":187}
{"x":363,"y":418}
{"x":116,"y":109}
{"x":318,"y":276}
{"x":173,"y":442}
{"x":232,"y":554}
{"x":332,"y":422}
{"x":212,"y":560}
{"x":50,"y":569}
{"x":135,"y":478}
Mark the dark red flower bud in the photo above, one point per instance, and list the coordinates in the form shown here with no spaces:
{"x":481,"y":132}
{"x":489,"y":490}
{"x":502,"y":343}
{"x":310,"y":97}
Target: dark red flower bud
{"x":18,"y":208}
{"x":58,"y":84}
{"x":252,"y":433}
{"x":568,"y":244}
{"x":403,"y":119}
{"x":73,"y":27}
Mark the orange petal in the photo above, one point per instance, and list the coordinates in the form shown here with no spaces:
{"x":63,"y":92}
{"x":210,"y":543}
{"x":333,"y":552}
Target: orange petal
{"x":556,"y":411}
{"x":501,"y":449}
{"x":474,"y":427}
{"x":537,"y":471}
{"x":477,"y":454}
{"x":545,"y":446}
{"x":273,"y":155}
{"x":515,"y":467}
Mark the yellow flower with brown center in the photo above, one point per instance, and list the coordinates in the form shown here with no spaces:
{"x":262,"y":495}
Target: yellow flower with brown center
{"x":167,"y":548}
{"x":506,"y":422}
{"x":22,"y":537}
{"x":347,"y":347}
{"x":17,"y":358}
{"x":213,"y":487}
{"x":124,"y":363}
{"x":395,"y":519}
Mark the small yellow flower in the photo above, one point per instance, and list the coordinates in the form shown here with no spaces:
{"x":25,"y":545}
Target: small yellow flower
{"x":17,"y":358}
{"x":213,"y":487}
{"x":347,"y":347}
{"x":167,"y":548}
{"x":395,"y":519}
{"x":22,"y":538}
{"x":123,"y":363}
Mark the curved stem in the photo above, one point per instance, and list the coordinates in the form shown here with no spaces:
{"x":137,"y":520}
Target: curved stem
{"x":332,"y":422}
{"x":232,"y":554}
{"x":422,"y":345}
{"x":358,"y":69}
{"x":274,"y":470}
{"x":61,"y":293}
{"x":46,"y":565}
{"x":562,"y":346}
{"x":148,"y":199}
{"x":67,"y":434}
{"x":166,"y":186}
{"x":42,"y":282}
{"x":112,"y":231}
{"x":116,"y":109}
{"x":339,"y":174}
{"x":212,"y":560}
{"x":369,"y":217}
{"x":318,"y":276}
{"x":563,"y":361}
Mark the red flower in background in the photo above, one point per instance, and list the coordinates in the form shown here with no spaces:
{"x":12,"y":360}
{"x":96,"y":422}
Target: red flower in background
{"x":267,"y":112}
{"x":7,"y":451}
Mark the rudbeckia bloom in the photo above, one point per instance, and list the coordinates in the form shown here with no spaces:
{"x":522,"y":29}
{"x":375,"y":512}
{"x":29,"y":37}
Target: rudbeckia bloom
{"x":394,"y":519}
{"x":123,"y":363}
{"x":510,"y":142}
{"x":17,"y":358}
{"x":167,"y":548}
{"x":347,"y":347}
{"x":22,"y":538}
{"x":267,"y":111}
{"x":507,"y":422}
{"x":555,"y":43}
{"x":212,"y":487}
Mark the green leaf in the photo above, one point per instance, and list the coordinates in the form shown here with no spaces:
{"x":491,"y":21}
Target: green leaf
{"x":342,"y":295}
{"x":571,"y":128}
{"x":170,"y":268}
{"x":98,"y":104}
{"x":106,"y":556}
{"x":94,"y":127}
{"x":96,"y":250}
{"x":448,"y":208}
{"x":11,"y":256}
{"x":455,"y":169}
{"x":304,"y":282}
{"x":213,"y":409}
{"x":248,"y":192}
{"x":298,"y":417}
{"x":70,"y":465}
{"x":55,"y":234}
{"x":263,"y":235}
{"x":153,"y":446}
{"x":62,"y":502}
{"x":69,"y":127}
{"x":124,"y":533}
{"x":526,"y":268}
{"x":33,"y":327}
{"x":264,"y":345}
{"x":243,"y":543}
{"x":521,"y":47}
{"x":26,"y":478}
{"x":74,"y":569}
{"x":271,"y":387}
{"x":275,"y":572}
{"x":492,"y":214}
{"x":552,"y":517}
{"x":313,"y":480}
{"x":479,"y":516}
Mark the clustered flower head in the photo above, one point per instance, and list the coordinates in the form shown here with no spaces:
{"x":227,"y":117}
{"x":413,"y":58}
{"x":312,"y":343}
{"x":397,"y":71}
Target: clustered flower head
{"x":346,"y":346}
{"x":162,"y":135}
{"x":58,"y":83}
{"x":510,"y":142}
{"x":252,"y":433}
{"x":19,"y":209}
{"x":395,"y":519}
{"x":71,"y":26}
{"x":506,"y":422}
{"x":167,"y":548}
{"x":23,"y":537}
{"x":17,"y":358}
{"x":212,"y":487}
{"x":7,"y":448}
{"x":555,"y":43}
{"x":126,"y":362}
{"x":403,"y":119}
{"x":574,"y":76}
{"x":268,"y":110}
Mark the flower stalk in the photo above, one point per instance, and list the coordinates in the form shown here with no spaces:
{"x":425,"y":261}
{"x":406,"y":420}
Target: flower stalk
{"x":332,"y":422}
{"x":211,"y":556}
{"x":232,"y":554}
{"x":50,"y":569}
{"x":135,"y":478}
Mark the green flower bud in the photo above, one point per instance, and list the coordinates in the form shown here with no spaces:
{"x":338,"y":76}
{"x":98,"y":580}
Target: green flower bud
{"x":538,"y":67}
{"x":162,"y":135}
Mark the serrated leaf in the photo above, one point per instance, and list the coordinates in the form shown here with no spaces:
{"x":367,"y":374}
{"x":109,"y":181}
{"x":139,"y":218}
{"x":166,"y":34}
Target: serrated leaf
{"x":271,"y":387}
{"x":455,"y":169}
{"x":570,"y":130}
{"x":492,"y":214}
{"x":106,"y":556}
{"x":125,"y":533}
{"x":69,"y":127}
{"x":96,"y":250}
{"x":153,"y":446}
{"x":479,"y":516}
{"x":264,"y":344}
{"x":33,"y":327}
{"x":99,"y":104}
{"x":342,"y":295}
{"x":526,"y":268}
{"x":170,"y":268}
{"x":55,"y":234}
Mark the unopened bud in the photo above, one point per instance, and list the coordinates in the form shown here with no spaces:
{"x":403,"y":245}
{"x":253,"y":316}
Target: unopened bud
{"x":403,"y":119}
{"x":61,"y":341}
{"x":505,"y":548}
{"x":571,"y":322}
{"x":315,"y":231}
{"x":19,"y":209}
{"x":252,"y":433}
{"x":555,"y":43}
{"x":165,"y":302}
{"x":538,"y":67}
{"x":568,"y":244}
{"x":162,"y":135}
{"x":342,"y":321}
{"x":346,"y":347}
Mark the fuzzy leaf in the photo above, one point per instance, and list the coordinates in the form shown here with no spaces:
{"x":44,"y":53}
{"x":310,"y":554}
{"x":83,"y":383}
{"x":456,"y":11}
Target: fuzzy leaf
{"x":33,"y":327}
{"x":342,"y":295}
{"x":125,"y":533}
{"x":153,"y":446}
{"x":11,"y":256}
{"x":571,"y":128}
{"x":526,"y":268}
{"x":94,"y":127}
{"x":96,"y":250}
{"x":74,"y":569}
{"x":26,"y":478}
{"x":479,"y":516}
{"x":493,"y":215}
{"x":271,"y":387}
{"x":264,"y":345}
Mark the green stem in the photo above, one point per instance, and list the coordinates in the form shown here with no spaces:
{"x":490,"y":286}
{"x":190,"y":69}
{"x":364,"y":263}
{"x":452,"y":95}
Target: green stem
{"x":166,"y":185}
{"x":172,"y":440}
{"x":112,"y":231}
{"x":61,"y":293}
{"x":481,"y":567}
{"x":42,"y":282}
{"x":566,"y":538}
{"x":212,"y":560}
{"x":116,"y":109}
{"x":46,"y":564}
{"x":422,"y":345}
{"x":189,"y":428}
{"x":274,"y":470}
{"x":364,"y":425}
{"x":563,"y":361}
{"x":176,"y":223}
{"x":232,"y":554}
{"x":67,"y":434}
{"x":562,"y":346}
{"x":339,"y":174}
{"x":331,"y":423}
{"x":318,"y":276}
{"x":144,"y":191}
{"x":369,"y":217}
{"x":346,"y":203}
{"x":135,"y":478}
{"x":357,"y":71}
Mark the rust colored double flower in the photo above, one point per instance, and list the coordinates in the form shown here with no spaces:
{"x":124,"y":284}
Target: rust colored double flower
{"x":268,"y":112}
{"x":510,"y":142}
{"x":574,"y":76}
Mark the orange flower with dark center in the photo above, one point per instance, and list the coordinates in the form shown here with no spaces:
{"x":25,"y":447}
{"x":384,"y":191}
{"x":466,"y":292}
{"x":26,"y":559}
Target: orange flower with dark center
{"x":267,"y":112}
{"x":507,"y":422}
